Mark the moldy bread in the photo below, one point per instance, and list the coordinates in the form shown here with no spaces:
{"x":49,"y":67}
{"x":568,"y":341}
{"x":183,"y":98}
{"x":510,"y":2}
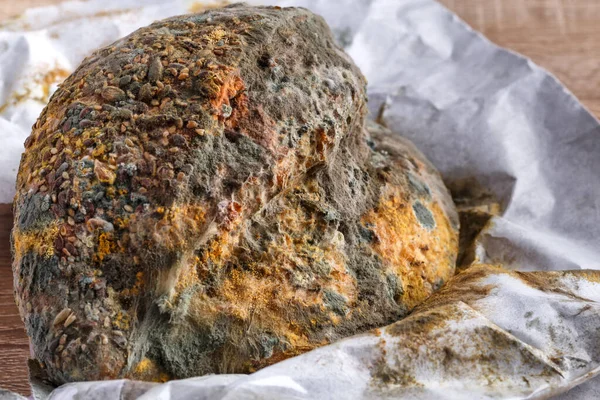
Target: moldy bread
{"x":205,"y":196}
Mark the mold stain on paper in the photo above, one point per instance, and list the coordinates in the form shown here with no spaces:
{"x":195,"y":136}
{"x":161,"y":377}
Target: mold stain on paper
{"x":200,"y":6}
{"x":20,"y":22}
{"x":26,"y":92}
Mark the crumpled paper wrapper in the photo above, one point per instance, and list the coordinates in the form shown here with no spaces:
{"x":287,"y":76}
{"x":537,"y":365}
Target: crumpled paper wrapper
{"x":519,"y":152}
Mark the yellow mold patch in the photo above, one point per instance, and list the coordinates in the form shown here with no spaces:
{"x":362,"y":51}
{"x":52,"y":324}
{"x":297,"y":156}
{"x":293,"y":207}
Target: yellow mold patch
{"x":410,"y":251}
{"x":40,"y":241}
{"x":147,"y":370}
{"x":106,"y":246}
{"x":121,"y":321}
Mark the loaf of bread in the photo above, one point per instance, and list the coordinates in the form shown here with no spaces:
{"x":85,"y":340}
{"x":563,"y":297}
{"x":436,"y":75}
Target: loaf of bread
{"x":204,"y":196}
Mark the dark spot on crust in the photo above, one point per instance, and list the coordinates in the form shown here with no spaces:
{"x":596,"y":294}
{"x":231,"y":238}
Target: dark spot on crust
{"x":424,"y":216}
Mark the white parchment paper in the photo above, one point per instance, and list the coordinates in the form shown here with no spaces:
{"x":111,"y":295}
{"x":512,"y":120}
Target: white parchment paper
{"x":477,"y":112}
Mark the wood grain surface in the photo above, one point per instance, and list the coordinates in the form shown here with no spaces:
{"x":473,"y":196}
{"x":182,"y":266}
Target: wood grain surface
{"x":14,"y":347}
{"x":560,"y":35}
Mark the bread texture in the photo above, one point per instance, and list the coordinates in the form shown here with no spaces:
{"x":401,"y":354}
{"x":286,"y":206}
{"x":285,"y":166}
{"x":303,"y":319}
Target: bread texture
{"x":205,"y":196}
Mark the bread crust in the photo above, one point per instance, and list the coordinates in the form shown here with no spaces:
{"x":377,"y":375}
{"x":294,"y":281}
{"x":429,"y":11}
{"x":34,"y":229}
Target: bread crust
{"x":203,"y":196}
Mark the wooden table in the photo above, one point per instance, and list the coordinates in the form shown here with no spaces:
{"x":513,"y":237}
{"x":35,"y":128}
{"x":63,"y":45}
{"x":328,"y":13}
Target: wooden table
{"x":560,"y":35}
{"x":14,"y":347}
